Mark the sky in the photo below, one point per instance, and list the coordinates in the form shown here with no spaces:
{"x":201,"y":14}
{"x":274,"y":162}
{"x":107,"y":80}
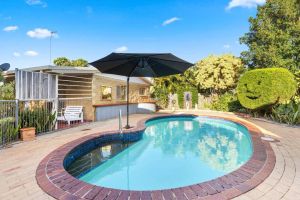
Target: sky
{"x":91,"y":29}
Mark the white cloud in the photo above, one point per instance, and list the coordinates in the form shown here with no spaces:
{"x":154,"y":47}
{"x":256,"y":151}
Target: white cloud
{"x":244,"y":3}
{"x":226,"y":46}
{"x":170,"y":21}
{"x":40,"y":33}
{"x":31,"y":53}
{"x":36,"y":3}
{"x":10,"y":28}
{"x":121,"y":49}
{"x":16,"y":54}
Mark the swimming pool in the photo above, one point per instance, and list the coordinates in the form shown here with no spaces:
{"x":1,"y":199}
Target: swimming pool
{"x":172,"y":152}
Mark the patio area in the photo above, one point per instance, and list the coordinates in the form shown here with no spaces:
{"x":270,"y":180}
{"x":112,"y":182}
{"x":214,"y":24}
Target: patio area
{"x":19,"y":163}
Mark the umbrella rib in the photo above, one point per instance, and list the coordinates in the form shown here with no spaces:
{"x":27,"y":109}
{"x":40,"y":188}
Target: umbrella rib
{"x":116,"y":60}
{"x":167,"y":66}
{"x":113,"y":67}
{"x":173,"y":67}
{"x":170,"y":60}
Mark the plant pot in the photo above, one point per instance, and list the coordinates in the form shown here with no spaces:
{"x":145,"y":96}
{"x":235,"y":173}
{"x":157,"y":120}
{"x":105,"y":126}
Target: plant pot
{"x":27,"y":134}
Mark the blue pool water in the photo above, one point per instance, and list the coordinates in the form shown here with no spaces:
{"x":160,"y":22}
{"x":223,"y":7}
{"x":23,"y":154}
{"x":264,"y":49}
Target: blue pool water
{"x":174,"y":152}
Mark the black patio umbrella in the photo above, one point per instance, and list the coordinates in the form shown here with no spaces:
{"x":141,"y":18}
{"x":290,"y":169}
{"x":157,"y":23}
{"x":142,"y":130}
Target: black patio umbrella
{"x":140,"y":65}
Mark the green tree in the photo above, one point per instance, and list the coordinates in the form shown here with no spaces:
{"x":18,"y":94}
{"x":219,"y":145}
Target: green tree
{"x":274,"y":36}
{"x":218,"y":73}
{"x":7,"y":91}
{"x":62,"y":61}
{"x":1,"y":77}
{"x":79,"y":63}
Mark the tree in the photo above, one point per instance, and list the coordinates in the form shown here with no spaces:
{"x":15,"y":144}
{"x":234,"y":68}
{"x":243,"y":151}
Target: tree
{"x":7,"y":91}
{"x":79,"y":63}
{"x":218,"y":73}
{"x":274,"y":36}
{"x":63,"y":61}
{"x":1,"y":77}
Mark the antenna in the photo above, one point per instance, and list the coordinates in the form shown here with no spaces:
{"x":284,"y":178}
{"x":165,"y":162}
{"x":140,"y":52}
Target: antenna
{"x":4,"y":67}
{"x":50,"y":49}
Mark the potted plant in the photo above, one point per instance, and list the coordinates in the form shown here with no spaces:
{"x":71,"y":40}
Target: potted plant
{"x":27,"y":134}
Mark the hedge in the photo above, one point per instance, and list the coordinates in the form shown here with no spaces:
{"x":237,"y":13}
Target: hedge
{"x":194,"y":92}
{"x":180,"y":96}
{"x":264,"y":87}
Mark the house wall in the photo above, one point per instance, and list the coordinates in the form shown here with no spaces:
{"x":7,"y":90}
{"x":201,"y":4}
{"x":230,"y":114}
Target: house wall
{"x":134,"y":96}
{"x":76,"y":90}
{"x":108,"y":112}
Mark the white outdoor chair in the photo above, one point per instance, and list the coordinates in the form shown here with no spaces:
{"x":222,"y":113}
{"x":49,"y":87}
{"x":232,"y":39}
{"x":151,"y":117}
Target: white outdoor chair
{"x":71,"y":113}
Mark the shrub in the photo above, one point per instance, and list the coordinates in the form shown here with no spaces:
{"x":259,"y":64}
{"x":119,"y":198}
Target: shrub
{"x":218,"y":73}
{"x":161,"y":96}
{"x":286,"y":113}
{"x":8,"y":131}
{"x":40,"y":118}
{"x":180,"y":96}
{"x":194,"y":92}
{"x":264,"y":87}
{"x":7,"y":91}
{"x":227,"y":102}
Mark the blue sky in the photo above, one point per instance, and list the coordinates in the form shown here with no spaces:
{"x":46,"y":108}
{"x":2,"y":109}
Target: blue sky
{"x":91,"y":29}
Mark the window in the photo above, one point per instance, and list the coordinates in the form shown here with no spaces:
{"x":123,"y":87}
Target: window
{"x":142,"y":91}
{"x":106,"y":93}
{"x":121,"y":92}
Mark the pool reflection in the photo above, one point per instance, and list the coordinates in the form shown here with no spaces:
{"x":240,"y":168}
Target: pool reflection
{"x":96,"y":157}
{"x":220,"y":144}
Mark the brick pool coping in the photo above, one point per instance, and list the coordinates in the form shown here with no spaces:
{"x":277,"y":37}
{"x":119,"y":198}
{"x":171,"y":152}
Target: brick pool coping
{"x":52,"y":177}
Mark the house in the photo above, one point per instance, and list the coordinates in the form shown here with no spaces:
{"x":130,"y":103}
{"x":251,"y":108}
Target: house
{"x":101,"y":95}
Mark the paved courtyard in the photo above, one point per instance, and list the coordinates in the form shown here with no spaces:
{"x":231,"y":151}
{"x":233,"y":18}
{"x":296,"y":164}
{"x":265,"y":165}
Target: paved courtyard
{"x":18,"y":163}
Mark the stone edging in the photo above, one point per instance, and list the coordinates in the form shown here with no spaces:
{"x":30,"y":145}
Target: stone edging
{"x":52,"y":177}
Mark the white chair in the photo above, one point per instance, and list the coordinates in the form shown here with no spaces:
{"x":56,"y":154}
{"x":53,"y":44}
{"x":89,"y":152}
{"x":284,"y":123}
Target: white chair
{"x":71,"y":113}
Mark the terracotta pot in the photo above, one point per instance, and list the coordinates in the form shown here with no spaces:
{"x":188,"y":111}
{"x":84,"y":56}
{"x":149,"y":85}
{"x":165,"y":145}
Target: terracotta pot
{"x":27,"y":134}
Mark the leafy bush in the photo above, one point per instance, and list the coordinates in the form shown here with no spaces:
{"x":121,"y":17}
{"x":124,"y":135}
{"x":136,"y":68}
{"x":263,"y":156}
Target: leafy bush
{"x":227,"y":102}
{"x":40,"y":118}
{"x":160,"y":94}
{"x":7,"y":91}
{"x":8,"y":131}
{"x":194,"y":92}
{"x":218,"y":73}
{"x":180,"y":96}
{"x":286,"y":113}
{"x":265,"y":87}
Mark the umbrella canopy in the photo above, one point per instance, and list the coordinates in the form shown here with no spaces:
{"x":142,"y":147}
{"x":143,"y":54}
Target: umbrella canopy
{"x":141,"y":65}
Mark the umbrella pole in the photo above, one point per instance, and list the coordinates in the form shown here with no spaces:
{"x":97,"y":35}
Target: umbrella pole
{"x":127,"y":106}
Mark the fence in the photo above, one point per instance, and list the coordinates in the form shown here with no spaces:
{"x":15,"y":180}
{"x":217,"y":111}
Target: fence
{"x":8,"y":121}
{"x":44,"y":114}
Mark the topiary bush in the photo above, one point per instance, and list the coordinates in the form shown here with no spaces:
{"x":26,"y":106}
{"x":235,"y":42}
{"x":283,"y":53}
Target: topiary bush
{"x":260,"y":88}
